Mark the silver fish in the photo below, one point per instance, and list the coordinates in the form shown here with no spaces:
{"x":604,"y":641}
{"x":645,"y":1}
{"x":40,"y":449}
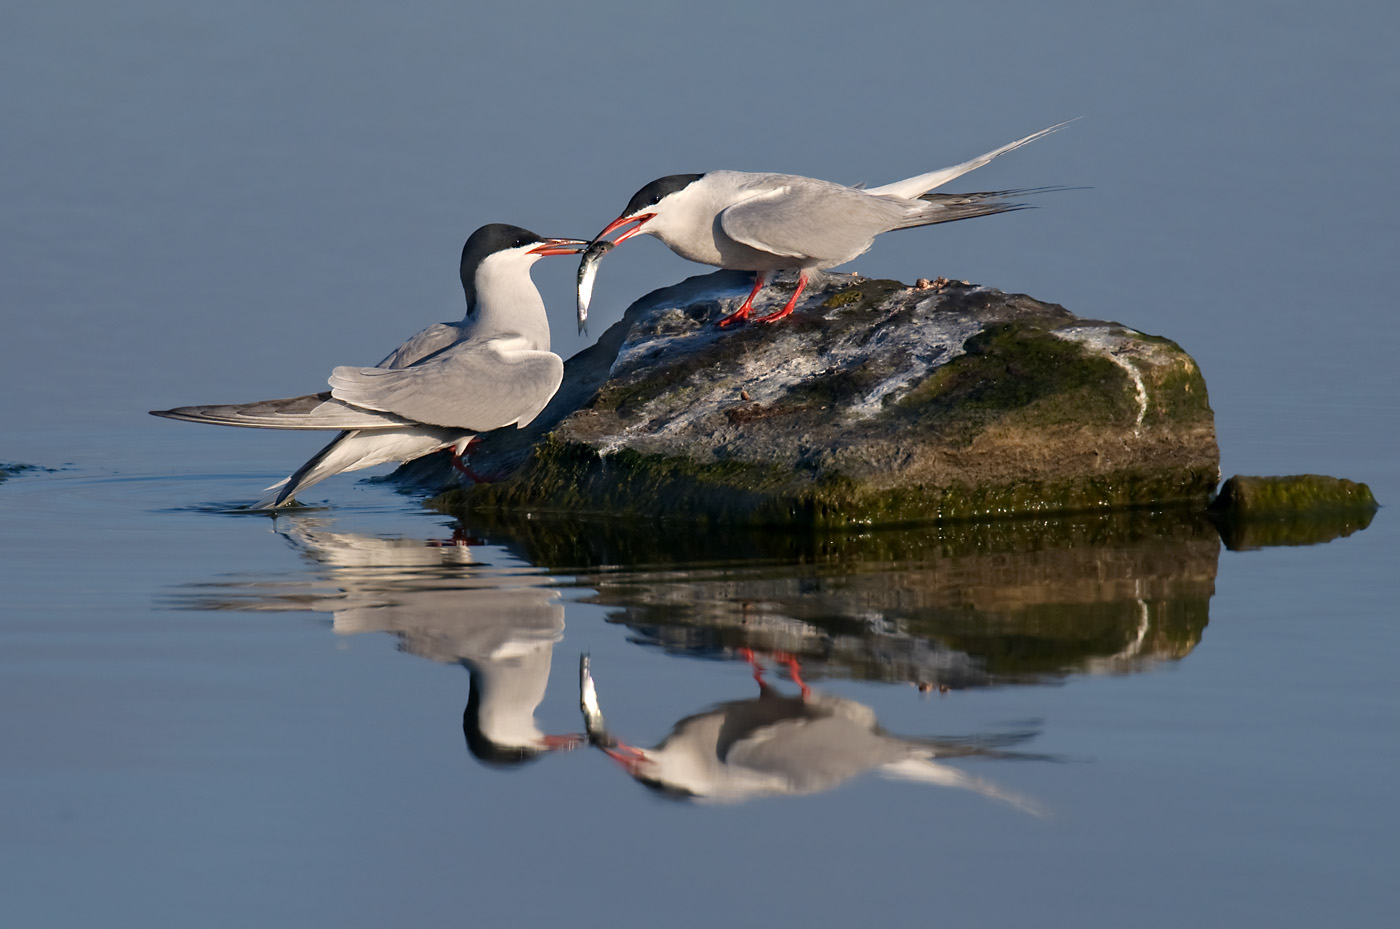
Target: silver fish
{"x":593,"y":723}
{"x":587,"y":271}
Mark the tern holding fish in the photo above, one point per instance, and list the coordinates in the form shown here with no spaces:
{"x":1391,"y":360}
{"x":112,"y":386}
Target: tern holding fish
{"x":768,"y":223}
{"x":441,"y":387}
{"x":777,"y":745}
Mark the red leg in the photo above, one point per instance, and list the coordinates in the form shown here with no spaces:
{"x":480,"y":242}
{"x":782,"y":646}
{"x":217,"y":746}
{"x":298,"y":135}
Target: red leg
{"x":462,"y":467}
{"x":746,"y":307}
{"x":748,"y":655}
{"x":794,"y":671}
{"x":787,"y":310}
{"x":457,"y":457}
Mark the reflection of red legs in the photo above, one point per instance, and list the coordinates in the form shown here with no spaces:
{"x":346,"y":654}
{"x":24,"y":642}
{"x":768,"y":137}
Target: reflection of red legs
{"x":746,"y":307}
{"x":787,"y":659}
{"x":792,"y":302}
{"x":795,"y":672}
{"x":748,"y":655}
{"x":461,"y":537}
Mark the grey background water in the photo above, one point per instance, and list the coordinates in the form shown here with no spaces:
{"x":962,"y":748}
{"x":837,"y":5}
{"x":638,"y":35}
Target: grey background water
{"x":214,"y":203}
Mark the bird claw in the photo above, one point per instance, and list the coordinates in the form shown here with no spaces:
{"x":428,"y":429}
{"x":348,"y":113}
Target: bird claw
{"x":774,"y":317}
{"x":738,"y":315}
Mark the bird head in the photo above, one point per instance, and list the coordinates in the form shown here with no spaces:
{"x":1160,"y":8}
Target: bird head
{"x":651,"y":206}
{"x":500,"y":247}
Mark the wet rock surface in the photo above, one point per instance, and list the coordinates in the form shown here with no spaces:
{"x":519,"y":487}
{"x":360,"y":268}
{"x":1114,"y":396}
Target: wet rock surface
{"x":876,"y":402}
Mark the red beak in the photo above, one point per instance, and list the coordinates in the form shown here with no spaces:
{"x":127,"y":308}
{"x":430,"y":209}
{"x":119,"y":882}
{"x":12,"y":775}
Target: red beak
{"x":621,"y":221}
{"x":563,"y":743}
{"x":558,"y":247}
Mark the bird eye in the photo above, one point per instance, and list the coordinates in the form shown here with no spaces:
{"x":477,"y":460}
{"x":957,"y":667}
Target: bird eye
{"x":521,"y":241}
{"x":655,"y":199}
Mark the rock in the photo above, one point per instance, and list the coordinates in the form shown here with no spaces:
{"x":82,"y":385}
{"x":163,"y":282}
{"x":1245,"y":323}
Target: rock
{"x":1301,"y":509}
{"x":967,"y":603}
{"x":874,"y":403}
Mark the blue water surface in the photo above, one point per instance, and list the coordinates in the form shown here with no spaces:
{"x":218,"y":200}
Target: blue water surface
{"x":217,"y":719}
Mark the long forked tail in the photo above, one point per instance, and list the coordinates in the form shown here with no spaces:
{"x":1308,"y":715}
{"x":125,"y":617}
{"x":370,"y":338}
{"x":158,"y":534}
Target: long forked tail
{"x":313,"y":411}
{"x":911,"y":187}
{"x":924,"y":771}
{"x":946,"y":208}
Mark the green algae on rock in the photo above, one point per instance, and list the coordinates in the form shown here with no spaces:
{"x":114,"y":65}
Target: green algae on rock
{"x":956,"y":604}
{"x":1299,"y":509}
{"x":1293,"y":494}
{"x":876,"y":403}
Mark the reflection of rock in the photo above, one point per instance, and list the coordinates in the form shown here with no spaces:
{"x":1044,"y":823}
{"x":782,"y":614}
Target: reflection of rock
{"x":502,"y":627}
{"x":776,"y":745}
{"x":876,"y":403}
{"x":1303,"y":509}
{"x":958,"y":605}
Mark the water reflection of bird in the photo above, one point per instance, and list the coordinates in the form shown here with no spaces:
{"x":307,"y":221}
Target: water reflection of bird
{"x":500,"y":624}
{"x":775,"y":745}
{"x":438,"y":389}
{"x":501,"y":627}
{"x":782,"y":222}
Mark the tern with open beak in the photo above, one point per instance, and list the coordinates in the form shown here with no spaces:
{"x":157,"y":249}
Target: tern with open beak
{"x":437,"y":390}
{"x":768,"y":223}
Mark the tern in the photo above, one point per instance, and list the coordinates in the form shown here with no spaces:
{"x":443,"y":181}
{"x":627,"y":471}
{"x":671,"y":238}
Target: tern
{"x":777,"y":745}
{"x":437,"y":390}
{"x":768,"y":223}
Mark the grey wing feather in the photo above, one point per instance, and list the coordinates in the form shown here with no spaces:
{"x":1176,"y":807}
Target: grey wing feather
{"x":947,"y":208}
{"x":472,"y":385}
{"x":432,"y":339}
{"x":812,"y":220}
{"x":313,"y":411}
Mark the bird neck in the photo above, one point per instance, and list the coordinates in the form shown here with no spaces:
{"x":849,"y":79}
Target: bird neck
{"x":502,"y":302}
{"x":506,"y":693}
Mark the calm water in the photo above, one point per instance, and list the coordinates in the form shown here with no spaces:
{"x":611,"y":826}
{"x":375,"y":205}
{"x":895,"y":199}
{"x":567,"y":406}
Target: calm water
{"x":222,"y":719}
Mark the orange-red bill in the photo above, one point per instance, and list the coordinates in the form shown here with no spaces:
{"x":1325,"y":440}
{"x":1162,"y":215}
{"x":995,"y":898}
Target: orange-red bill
{"x":559,"y":247}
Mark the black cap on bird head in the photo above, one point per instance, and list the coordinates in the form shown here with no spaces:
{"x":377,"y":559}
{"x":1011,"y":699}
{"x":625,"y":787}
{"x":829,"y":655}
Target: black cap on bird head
{"x":652,"y":194}
{"x":500,"y":237}
{"x":490,"y":239}
{"x":483,"y":749}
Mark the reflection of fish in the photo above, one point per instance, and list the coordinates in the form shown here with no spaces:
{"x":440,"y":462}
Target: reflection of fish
{"x":587,"y":271}
{"x":593,"y":722}
{"x":777,"y":745}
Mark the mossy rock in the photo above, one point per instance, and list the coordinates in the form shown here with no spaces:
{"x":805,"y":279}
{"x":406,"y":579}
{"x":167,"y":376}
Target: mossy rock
{"x":1299,"y":509}
{"x":874,"y":404}
{"x":960,"y":604}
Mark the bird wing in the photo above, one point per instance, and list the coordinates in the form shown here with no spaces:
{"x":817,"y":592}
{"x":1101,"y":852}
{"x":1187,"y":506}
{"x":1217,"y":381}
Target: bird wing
{"x":432,"y":339}
{"x":476,"y":385}
{"x":313,"y":411}
{"x":810,"y":219}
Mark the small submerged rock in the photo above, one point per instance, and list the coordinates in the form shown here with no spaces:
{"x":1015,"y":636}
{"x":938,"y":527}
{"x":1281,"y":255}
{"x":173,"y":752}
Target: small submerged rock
{"x":875,"y":403}
{"x":1299,"y":509}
